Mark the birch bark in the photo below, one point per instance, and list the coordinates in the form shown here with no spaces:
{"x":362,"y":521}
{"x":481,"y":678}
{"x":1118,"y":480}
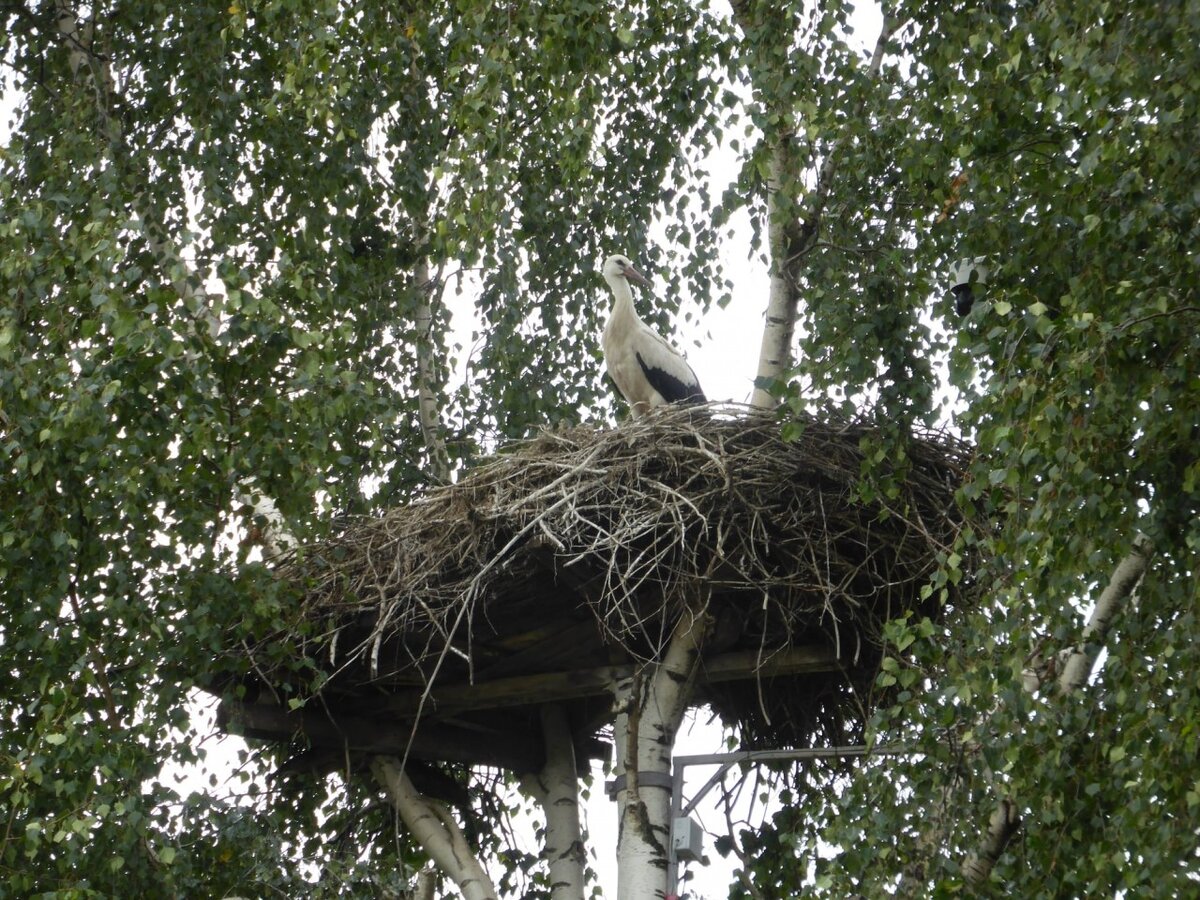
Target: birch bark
{"x":651,"y":709}
{"x":1121,"y":586}
{"x":792,"y":226}
{"x":432,"y":826}
{"x":426,"y":887}
{"x":556,"y":789}
{"x":1005,"y":821}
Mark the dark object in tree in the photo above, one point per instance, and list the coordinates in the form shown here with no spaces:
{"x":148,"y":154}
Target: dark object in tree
{"x":967,"y":273}
{"x":964,"y":299}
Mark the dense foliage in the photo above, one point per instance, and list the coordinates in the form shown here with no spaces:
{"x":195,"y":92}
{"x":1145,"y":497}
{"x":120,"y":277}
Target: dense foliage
{"x":1056,"y":141}
{"x":296,"y":161}
{"x":283,"y":169}
{"x":1083,"y":376}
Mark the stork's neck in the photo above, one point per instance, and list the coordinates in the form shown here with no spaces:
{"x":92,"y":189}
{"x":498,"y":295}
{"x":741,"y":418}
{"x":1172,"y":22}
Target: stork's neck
{"x":623,"y":308}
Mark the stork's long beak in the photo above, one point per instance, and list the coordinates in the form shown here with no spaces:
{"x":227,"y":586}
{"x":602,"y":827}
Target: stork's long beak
{"x":634,"y":275}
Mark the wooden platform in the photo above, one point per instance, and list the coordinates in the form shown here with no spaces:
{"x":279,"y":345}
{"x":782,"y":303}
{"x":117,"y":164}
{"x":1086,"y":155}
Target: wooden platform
{"x":488,"y":713}
{"x":438,"y":630}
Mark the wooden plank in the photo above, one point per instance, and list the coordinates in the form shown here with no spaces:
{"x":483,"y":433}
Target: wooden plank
{"x":555,"y":642}
{"x":551,"y":687}
{"x":743,"y":665}
{"x":432,"y":741}
{"x":389,"y":727}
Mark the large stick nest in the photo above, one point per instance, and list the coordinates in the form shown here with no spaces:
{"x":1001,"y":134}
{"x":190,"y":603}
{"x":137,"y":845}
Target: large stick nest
{"x":580,"y":548}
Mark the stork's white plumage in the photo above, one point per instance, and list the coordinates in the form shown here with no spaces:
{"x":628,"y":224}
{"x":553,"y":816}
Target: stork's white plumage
{"x":647,"y":370}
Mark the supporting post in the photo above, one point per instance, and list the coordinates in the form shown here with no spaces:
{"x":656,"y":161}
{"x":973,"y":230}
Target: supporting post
{"x":556,"y":789}
{"x":650,"y":707}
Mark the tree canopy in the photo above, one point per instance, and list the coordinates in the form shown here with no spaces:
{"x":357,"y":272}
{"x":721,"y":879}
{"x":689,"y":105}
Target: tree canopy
{"x":229,"y":233}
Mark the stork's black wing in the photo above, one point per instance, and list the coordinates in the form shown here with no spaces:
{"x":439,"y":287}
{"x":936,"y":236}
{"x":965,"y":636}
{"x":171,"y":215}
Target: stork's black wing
{"x":673,"y":388}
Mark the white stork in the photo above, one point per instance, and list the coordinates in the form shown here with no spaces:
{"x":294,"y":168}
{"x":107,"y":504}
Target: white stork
{"x":647,"y":370}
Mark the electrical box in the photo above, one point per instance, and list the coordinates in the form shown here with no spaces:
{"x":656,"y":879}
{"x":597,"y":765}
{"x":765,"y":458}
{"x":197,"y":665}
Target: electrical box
{"x":687,"y":839}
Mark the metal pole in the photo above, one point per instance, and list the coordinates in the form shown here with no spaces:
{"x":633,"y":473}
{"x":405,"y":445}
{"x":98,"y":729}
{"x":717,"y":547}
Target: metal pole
{"x":726,"y":761}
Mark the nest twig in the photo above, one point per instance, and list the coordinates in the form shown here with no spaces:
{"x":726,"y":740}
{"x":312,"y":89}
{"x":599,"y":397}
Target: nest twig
{"x":580,"y":547}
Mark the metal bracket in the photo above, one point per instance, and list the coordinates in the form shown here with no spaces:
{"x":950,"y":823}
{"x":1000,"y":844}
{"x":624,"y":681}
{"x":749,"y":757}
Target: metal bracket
{"x":680,"y":810}
{"x":644,"y":779}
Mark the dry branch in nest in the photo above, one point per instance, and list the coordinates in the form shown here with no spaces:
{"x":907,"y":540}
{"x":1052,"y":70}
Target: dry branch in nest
{"x":545,"y":570}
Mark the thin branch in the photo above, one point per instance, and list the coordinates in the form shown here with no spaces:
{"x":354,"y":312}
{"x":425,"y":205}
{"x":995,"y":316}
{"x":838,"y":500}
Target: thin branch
{"x":429,"y":409}
{"x":95,"y":654}
{"x":1005,"y":820}
{"x":1158,"y":315}
{"x":743,"y":875}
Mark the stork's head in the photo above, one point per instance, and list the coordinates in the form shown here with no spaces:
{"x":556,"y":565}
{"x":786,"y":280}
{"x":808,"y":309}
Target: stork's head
{"x":619,"y":267}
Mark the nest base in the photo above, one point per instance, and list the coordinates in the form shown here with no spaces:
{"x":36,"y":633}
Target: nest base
{"x":542,"y":576}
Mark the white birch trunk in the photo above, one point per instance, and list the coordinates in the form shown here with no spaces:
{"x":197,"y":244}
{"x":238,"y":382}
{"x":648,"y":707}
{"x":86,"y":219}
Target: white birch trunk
{"x":775,"y":353}
{"x":1002,"y":825}
{"x":792,"y":229}
{"x":556,"y":789}
{"x":1005,"y":820}
{"x":1124,"y":581}
{"x":429,"y":410}
{"x":651,"y":708}
{"x":426,"y":887}
{"x":432,"y":826}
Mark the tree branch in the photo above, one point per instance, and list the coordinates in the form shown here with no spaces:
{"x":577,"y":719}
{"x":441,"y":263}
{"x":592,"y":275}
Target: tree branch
{"x":432,"y":826}
{"x":426,"y":887}
{"x":1121,"y":586}
{"x":1005,"y":821}
{"x":792,"y":233}
{"x":1002,"y":826}
{"x":428,"y":408}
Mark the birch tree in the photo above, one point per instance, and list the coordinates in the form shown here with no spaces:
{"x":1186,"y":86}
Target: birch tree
{"x":1041,"y":138}
{"x":228,"y":232}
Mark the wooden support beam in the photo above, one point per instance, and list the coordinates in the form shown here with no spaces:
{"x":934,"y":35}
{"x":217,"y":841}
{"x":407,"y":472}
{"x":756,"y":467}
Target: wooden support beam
{"x":527,"y":690}
{"x":433,"y":741}
{"x":554,"y":642}
{"x":391,"y":727}
{"x":744,"y":665}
